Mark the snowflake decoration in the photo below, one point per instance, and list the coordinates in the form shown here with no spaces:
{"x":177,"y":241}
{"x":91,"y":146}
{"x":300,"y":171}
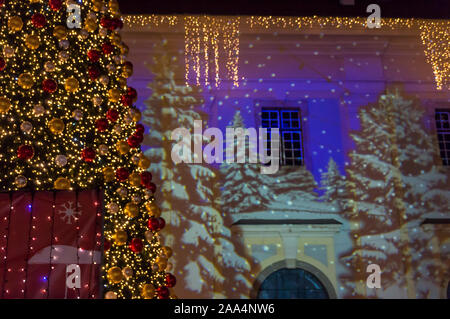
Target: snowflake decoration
{"x":69,"y":211}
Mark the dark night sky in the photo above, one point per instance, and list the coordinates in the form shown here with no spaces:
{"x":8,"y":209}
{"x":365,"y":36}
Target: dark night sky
{"x":430,"y":9}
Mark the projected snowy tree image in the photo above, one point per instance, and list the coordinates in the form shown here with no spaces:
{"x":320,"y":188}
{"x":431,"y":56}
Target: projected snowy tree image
{"x":244,"y":188}
{"x":396,"y":183}
{"x":205,"y":255}
{"x":334,"y":186}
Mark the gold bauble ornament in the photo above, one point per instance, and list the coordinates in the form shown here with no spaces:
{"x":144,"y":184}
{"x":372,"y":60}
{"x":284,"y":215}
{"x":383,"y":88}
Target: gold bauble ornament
{"x":148,"y":291}
{"x":111,"y":68}
{"x":21,"y":181}
{"x":123,"y":147}
{"x":122,"y":191}
{"x":77,"y":114}
{"x":114,"y":95}
{"x":109,"y":174}
{"x":97,"y":100}
{"x":103,"y":149}
{"x":8,"y":51}
{"x":104,"y":80}
{"x":114,"y":6}
{"x":15,"y":24}
{"x":120,"y":237}
{"x":90,"y":24}
{"x":132,"y":210}
{"x":62,"y":183}
{"x":38,"y":110}
{"x":26,"y":126}
{"x":71,"y":84}
{"x":144,"y":162}
{"x":115,"y":38}
{"x":136,"y":199}
{"x":161,"y":262}
{"x":135,"y":179}
{"x":135,"y":114}
{"x":127,"y":71}
{"x":122,"y":82}
{"x":60,"y":32}
{"x":56,"y":126}
{"x":49,"y":66}
{"x":5,"y":104}
{"x":117,"y":129}
{"x":32,"y":42}
{"x":167,"y":251}
{"x":25,"y":81}
{"x":113,"y":208}
{"x":61,"y":160}
{"x":115,"y":275}
{"x":124,"y":49}
{"x":97,"y":5}
{"x":135,"y":159}
{"x":153,"y":209}
{"x":148,"y":235}
{"x":127,"y":272}
{"x":110,"y":295}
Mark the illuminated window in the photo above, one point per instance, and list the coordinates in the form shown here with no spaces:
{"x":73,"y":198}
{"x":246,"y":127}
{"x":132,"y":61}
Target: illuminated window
{"x":288,"y":122}
{"x":292,"y":284}
{"x":442,"y":117}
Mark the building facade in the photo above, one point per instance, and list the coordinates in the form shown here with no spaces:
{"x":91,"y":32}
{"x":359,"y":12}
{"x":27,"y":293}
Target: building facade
{"x":364,"y":156}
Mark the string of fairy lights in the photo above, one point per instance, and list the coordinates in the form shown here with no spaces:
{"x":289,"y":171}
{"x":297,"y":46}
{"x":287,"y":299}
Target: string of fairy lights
{"x":68,"y":122}
{"x":204,"y":35}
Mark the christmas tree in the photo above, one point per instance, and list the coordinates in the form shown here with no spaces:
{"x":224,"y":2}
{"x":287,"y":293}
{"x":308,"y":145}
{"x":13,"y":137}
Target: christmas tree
{"x":206,"y":262}
{"x":68,"y":122}
{"x":245,"y":189}
{"x":333,"y":185}
{"x":396,"y":184}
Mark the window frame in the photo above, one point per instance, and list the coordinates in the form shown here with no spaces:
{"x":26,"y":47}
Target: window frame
{"x":282,"y":130}
{"x":445,"y":161}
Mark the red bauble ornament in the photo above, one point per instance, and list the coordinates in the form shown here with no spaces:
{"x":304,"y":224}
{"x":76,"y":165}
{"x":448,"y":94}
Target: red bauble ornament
{"x":55,"y":5}
{"x":106,"y":245}
{"x":131,"y":92}
{"x":94,"y":72}
{"x":116,"y":24}
{"x":122,"y":174}
{"x":161,"y":223}
{"x":146,"y":178}
{"x":126,"y":100}
{"x":2,"y":64}
{"x":163,"y":292}
{"x":88,"y":154}
{"x":112,"y":115}
{"x":107,"y":48}
{"x":156,"y":224}
{"x":134,"y":141}
{"x":38,"y":20}
{"x":136,"y":245}
{"x":25,"y":152}
{"x":101,"y":125}
{"x":49,"y":86}
{"x":94,"y":55}
{"x":140,"y":128}
{"x":2,"y":2}
{"x":153,"y":224}
{"x":105,"y":22}
{"x":171,"y":280}
{"x":152,"y":187}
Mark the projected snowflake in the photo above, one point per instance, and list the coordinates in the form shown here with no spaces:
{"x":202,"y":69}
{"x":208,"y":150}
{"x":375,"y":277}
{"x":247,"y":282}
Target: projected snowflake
{"x":70,"y":211}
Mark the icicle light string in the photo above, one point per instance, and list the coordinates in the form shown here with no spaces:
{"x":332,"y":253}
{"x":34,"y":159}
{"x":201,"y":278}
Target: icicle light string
{"x":205,"y":31}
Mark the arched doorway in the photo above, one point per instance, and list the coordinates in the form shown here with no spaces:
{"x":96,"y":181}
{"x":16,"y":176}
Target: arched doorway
{"x":292,"y":284}
{"x":304,"y":281}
